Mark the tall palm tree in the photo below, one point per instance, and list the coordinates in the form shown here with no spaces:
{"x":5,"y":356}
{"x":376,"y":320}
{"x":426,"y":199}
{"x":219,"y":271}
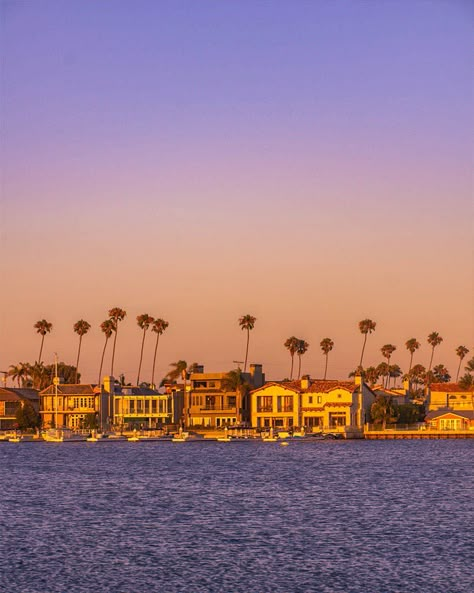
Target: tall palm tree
{"x":434,"y":339}
{"x":394,"y":372}
{"x":291,"y":344}
{"x":42,"y":327}
{"x":387,"y":352}
{"x":326,"y":346}
{"x":116,"y":314}
{"x":300,"y":350}
{"x":412,"y":345}
{"x":366,"y":326}
{"x":383,"y":370}
{"x":81,"y":328}
{"x":461,"y":351}
{"x":234,"y":381}
{"x":144,"y":321}
{"x":107,"y":327}
{"x":159,"y":326}
{"x":441,"y":374}
{"x":247,"y":322}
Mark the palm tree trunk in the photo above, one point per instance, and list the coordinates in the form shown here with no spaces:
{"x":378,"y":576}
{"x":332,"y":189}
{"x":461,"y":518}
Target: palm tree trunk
{"x":431,"y":359}
{"x":154,"y":361}
{"x":299,"y":366}
{"x":411,"y":362}
{"x":102,"y":361}
{"x":326,"y":367}
{"x":247,"y":350}
{"x":141,"y":358}
{"x":41,"y":348}
{"x":113,"y":351}
{"x":459,"y":369}
{"x":362,"y":353}
{"x":77,"y":361}
{"x":292,"y":361}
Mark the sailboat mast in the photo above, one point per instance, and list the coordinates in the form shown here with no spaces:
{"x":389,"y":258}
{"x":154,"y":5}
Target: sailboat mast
{"x":56,"y":381}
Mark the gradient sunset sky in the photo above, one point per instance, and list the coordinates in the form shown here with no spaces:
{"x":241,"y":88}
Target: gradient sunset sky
{"x":309,"y":163}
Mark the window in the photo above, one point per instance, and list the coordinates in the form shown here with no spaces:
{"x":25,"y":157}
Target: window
{"x":320,"y":399}
{"x":264,"y":403}
{"x":310,"y":399}
{"x":285,"y":403}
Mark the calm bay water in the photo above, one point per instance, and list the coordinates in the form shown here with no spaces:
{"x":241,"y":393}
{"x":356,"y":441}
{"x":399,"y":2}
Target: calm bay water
{"x":331,"y":517}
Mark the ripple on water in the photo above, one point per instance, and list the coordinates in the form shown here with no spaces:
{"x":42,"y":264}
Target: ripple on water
{"x":329,"y":517}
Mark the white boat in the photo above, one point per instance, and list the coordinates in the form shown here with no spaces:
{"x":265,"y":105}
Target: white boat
{"x":62,"y":435}
{"x":14,"y":439}
{"x":270,"y":437}
{"x":181,"y":437}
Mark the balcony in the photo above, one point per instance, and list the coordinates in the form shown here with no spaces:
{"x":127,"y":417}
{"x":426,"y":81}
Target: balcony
{"x":216,"y":408}
{"x":264,"y":408}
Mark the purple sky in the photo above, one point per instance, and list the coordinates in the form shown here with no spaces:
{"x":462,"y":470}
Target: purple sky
{"x":309,"y":163}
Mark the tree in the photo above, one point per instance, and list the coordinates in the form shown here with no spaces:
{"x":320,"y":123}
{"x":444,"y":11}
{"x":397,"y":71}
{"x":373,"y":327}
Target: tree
{"x":461,"y":351}
{"x":384,"y":411}
{"x":394,"y":372}
{"x":440,"y":374}
{"x":81,"y":328}
{"x":42,"y":327}
{"x":412,"y":345}
{"x":234,"y":381}
{"x":387,"y":352}
{"x":159,"y":326}
{"x":144,"y":321}
{"x":27,"y":417}
{"x":107,"y":327}
{"x":116,"y":315}
{"x":383,"y":370}
{"x":40,"y":375}
{"x":291,"y":344}
{"x":179,"y":367}
{"x":326,"y":346}
{"x":366,"y":326}
{"x":301,"y":349}
{"x":371,"y":375}
{"x":466,"y":381}
{"x":247,"y":322}
{"x":20,"y":372}
{"x":434,"y":339}
{"x":469,"y":368}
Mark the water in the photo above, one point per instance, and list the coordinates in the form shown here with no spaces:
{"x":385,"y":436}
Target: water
{"x":330,"y":517}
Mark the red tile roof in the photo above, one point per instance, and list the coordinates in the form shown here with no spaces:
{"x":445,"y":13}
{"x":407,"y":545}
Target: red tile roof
{"x":450,"y":387}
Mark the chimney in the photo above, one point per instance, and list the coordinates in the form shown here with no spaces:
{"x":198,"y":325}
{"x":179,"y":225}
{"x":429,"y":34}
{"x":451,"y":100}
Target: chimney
{"x":305,"y":382}
{"x":107,"y":401}
{"x":257,"y":378}
{"x":358,"y":379}
{"x":406,"y":386}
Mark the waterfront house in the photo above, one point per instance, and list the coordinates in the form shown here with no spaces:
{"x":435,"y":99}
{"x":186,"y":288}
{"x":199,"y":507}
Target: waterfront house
{"x":450,"y":395}
{"x":210,"y":405}
{"x":447,"y":419}
{"x":317,"y":405}
{"x":69,"y":405}
{"x":11,"y":400}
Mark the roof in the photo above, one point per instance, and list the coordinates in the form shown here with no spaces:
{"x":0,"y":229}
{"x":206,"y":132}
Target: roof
{"x":135,"y":391}
{"x":6,"y":395}
{"x":445,"y":411}
{"x":316,"y":386}
{"x":25,"y":393}
{"x":450,"y":387}
{"x":69,"y":389}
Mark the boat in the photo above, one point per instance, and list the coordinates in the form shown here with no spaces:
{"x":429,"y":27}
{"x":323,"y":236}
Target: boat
{"x":270,"y":437}
{"x":62,"y":435}
{"x":180,"y":437}
{"x":226,"y":438}
{"x":16,"y":438}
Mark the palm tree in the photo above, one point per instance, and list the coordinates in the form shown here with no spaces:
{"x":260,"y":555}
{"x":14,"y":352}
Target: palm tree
{"x":159,"y":326}
{"x":366,"y":326}
{"x":301,"y":349}
{"x":234,"y":381}
{"x":469,"y":368}
{"x":108,"y":327}
{"x":81,"y":328}
{"x":326,"y":346}
{"x":394,"y":372}
{"x":461,"y":351}
{"x":412,"y":345}
{"x":434,"y":339}
{"x":383,"y":370}
{"x":20,"y":372}
{"x":371,"y":375}
{"x":144,"y":321}
{"x":247,"y":322}
{"x":387,"y":352}
{"x":116,"y":314}
{"x":291,"y":344}
{"x":440,"y":374}
{"x":40,"y":375}
{"x":177,"y":371}
{"x":42,"y":327}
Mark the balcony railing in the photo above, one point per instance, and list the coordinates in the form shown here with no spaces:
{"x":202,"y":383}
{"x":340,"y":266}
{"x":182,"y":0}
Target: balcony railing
{"x":264,"y":408}
{"x":216,"y":408}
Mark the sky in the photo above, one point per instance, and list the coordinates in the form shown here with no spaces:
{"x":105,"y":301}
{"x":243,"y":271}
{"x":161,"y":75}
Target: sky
{"x":308,"y":163}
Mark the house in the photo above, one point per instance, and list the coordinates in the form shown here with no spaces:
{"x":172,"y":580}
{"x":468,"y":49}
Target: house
{"x":69,"y":405}
{"x":11,"y":400}
{"x":447,"y":419}
{"x":450,"y":395}
{"x":317,"y":405}
{"x":209,"y":405}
